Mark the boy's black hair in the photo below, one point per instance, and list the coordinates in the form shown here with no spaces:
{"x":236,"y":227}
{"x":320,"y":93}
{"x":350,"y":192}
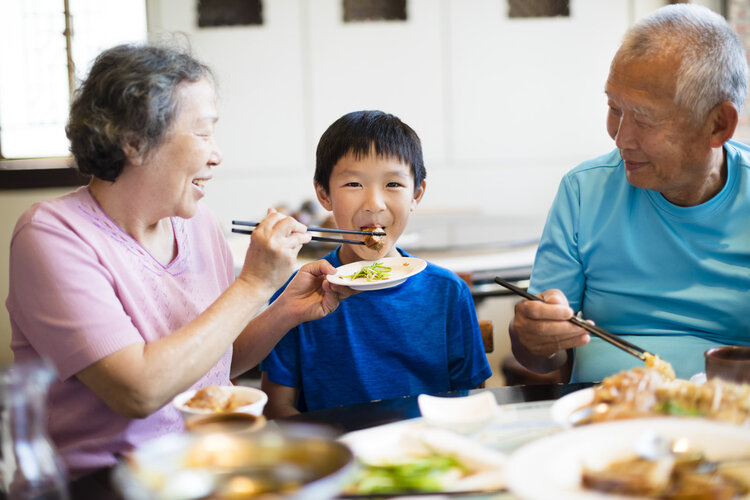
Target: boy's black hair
{"x":357,"y":133}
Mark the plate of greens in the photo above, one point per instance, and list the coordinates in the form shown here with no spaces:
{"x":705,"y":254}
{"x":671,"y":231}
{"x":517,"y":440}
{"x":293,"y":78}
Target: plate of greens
{"x":377,"y":274}
{"x":415,"y":458}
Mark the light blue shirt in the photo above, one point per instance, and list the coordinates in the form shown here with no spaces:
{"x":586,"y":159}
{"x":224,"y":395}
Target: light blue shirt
{"x":673,"y":280}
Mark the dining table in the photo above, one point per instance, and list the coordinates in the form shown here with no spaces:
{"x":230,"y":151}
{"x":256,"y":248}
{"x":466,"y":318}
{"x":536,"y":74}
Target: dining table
{"x":523,"y":416}
{"x":534,"y":398}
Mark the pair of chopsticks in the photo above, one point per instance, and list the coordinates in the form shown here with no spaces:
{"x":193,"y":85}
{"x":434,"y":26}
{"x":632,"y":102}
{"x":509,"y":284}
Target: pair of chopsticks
{"x":314,"y":230}
{"x":613,"y":339}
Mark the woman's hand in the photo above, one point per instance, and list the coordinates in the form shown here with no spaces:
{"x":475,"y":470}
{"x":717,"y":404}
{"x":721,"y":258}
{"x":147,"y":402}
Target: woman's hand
{"x":272,"y":255}
{"x":310,"y":296}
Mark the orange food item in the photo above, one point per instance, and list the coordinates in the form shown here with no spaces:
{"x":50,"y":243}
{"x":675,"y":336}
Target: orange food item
{"x":372,"y":241}
{"x":213,"y":398}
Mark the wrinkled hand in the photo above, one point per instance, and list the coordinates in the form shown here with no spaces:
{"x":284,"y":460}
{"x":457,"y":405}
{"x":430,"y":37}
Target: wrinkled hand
{"x":543,"y":327}
{"x":272,"y":255}
{"x":310,"y":296}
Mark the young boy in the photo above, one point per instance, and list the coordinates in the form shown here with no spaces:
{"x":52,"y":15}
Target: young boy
{"x":419,"y":337}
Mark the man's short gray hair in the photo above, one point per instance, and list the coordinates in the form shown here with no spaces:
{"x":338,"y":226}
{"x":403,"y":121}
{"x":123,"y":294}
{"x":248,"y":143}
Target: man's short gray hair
{"x":713,"y":67}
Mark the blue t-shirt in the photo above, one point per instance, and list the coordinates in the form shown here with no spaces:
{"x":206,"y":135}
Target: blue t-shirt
{"x":673,"y":280}
{"x":419,"y":337}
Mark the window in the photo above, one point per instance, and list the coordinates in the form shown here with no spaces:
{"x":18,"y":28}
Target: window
{"x":538,"y":8}
{"x":374,"y":10}
{"x":229,"y":13}
{"x":46,"y":46}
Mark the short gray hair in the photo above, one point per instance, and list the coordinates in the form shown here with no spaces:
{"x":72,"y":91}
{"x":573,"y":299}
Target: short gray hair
{"x":713,"y":66}
{"x":128,"y":96}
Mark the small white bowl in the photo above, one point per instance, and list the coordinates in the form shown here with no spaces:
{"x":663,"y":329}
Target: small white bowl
{"x":256,"y":401}
{"x":464,"y":415}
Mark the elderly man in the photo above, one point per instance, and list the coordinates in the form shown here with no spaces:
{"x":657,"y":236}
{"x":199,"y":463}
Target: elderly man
{"x":652,"y":240}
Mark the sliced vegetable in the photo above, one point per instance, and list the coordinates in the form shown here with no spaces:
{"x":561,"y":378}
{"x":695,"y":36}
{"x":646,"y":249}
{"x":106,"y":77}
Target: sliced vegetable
{"x":429,"y":473}
{"x":373,"y":272}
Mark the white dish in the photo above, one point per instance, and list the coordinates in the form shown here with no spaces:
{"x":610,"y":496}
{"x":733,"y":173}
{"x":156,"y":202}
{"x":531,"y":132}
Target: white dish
{"x":403,"y":441}
{"x":465,"y":414}
{"x":402,"y":268}
{"x":562,"y":409}
{"x":256,"y":401}
{"x":551,"y":467}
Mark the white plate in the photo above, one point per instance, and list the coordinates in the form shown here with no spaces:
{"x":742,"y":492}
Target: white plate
{"x":402,"y":268}
{"x":563,"y":408}
{"x":256,"y":401}
{"x":402,"y":441}
{"x":551,"y":467}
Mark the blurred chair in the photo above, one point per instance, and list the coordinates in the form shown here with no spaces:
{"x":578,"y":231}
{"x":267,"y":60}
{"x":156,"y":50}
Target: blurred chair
{"x":487,"y":330}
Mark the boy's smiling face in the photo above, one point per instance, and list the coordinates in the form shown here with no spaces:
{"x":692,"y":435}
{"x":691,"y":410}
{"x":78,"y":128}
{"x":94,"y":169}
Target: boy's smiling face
{"x":367,"y":193}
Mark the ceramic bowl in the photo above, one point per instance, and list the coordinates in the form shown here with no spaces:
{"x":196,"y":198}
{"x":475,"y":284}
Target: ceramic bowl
{"x":464,"y":415}
{"x":730,"y":362}
{"x":250,"y":399}
{"x":271,"y":463}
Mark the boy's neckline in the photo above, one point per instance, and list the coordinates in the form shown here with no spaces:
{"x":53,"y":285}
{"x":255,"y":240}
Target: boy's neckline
{"x":399,"y":253}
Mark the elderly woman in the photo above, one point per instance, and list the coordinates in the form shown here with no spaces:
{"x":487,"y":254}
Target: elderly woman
{"x":127,"y":284}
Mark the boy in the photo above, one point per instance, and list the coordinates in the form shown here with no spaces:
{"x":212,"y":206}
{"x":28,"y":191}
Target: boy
{"x":419,"y":337}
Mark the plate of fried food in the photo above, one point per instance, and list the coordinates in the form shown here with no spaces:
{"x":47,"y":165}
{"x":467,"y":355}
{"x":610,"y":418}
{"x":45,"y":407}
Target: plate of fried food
{"x":647,"y":392}
{"x":377,"y":274}
{"x":704,"y":459}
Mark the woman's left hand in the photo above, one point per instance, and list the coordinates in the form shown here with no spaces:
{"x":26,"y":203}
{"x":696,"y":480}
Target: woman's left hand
{"x":310,"y":296}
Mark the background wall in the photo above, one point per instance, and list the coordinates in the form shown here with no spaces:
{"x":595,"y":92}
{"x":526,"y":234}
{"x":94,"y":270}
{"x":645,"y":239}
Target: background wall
{"x":503,"y":106}
{"x":501,"y":103}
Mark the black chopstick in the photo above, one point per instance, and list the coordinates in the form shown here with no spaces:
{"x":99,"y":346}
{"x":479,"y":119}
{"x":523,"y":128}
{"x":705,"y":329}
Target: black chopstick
{"x":318,"y":229}
{"x":610,"y":337}
{"x":316,"y":238}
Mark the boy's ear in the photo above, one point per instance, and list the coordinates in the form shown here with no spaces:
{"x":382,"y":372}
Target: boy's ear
{"x":323,"y":197}
{"x":418,"y":195}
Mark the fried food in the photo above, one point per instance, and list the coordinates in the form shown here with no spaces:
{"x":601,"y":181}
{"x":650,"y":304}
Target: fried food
{"x":373,"y":241}
{"x":213,"y":398}
{"x":648,"y":392}
{"x":659,"y":365}
{"x":665,"y":479}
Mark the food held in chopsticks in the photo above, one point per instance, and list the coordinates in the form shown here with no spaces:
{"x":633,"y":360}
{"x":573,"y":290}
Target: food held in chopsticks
{"x":658,"y":364}
{"x":644,"y":392}
{"x":372,"y":272}
{"x":373,"y":241}
{"x":670,"y":477}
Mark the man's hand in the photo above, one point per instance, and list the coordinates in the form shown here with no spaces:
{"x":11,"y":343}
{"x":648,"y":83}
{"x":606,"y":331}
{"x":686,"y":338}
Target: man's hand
{"x":540,"y":331}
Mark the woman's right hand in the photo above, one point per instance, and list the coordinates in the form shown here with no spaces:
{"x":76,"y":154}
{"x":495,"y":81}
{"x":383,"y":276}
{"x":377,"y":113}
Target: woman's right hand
{"x":271,"y":257}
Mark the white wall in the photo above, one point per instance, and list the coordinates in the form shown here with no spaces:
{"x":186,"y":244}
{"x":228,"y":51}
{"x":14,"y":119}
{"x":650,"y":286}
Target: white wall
{"x":506,"y":106}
